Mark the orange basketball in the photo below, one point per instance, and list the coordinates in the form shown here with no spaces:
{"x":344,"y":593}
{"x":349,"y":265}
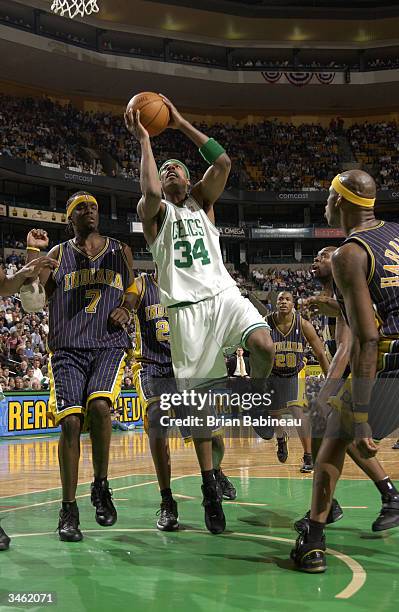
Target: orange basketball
{"x":154,"y":114}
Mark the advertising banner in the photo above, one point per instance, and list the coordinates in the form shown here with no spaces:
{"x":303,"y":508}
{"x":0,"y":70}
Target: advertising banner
{"x":27,"y":413}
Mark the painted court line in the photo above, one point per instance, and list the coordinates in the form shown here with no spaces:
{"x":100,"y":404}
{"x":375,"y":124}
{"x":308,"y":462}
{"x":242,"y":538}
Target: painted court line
{"x":229,"y":503}
{"x":55,"y":501}
{"x":359,"y":574}
{"x":79,"y":484}
{"x":354,"y":507}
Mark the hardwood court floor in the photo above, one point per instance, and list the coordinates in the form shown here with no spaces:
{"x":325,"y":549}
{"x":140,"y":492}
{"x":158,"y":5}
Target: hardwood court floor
{"x":132,"y":566}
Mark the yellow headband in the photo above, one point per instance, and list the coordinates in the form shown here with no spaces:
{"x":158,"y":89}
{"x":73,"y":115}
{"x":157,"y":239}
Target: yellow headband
{"x":349,"y":195}
{"x":78,"y":200}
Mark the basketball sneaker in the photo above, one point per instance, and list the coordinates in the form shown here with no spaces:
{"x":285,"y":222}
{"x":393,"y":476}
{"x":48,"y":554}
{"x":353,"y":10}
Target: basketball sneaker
{"x":260,"y":414}
{"x":307,"y":466}
{"x":215,"y":520}
{"x":282,"y":448}
{"x":101,"y":498}
{"x":68,"y":524}
{"x":396,"y":445}
{"x":309,"y":557}
{"x":389,"y":515}
{"x":4,"y":540}
{"x":336,"y":513}
{"x":227,"y":487}
{"x":168,"y":515}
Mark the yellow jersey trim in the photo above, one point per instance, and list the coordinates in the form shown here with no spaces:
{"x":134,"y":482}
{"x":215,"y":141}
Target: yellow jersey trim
{"x":105,"y":247}
{"x":290,"y":329}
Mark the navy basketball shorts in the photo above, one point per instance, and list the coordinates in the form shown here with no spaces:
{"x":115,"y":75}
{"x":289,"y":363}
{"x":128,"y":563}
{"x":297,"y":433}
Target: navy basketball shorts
{"x":79,"y":376}
{"x":287,"y":392}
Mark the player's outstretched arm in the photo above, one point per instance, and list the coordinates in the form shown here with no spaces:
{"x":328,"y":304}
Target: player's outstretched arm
{"x":322,"y":304}
{"x":150,"y":206}
{"x":30,"y":272}
{"x":317,"y":346}
{"x":212,"y":184}
{"x":364,"y":345}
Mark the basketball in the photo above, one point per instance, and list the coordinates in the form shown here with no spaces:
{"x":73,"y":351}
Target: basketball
{"x":154,"y":114}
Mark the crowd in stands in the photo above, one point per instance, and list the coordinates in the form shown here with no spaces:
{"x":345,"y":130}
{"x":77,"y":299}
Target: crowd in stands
{"x":287,"y":64}
{"x":40,"y":130}
{"x":376,"y":145}
{"x":194,"y":59}
{"x":386,"y":63}
{"x":276,"y":280}
{"x":271,"y":156}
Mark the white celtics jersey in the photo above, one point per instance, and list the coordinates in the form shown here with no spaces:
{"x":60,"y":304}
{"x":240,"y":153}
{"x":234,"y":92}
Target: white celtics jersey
{"x":188,"y":257}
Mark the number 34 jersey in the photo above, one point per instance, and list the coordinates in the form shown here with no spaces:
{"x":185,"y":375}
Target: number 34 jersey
{"x":87,"y":290}
{"x":187,"y":253}
{"x":289,"y":357}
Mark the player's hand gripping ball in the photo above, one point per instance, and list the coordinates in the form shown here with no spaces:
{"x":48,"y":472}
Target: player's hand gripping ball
{"x":153,"y":114}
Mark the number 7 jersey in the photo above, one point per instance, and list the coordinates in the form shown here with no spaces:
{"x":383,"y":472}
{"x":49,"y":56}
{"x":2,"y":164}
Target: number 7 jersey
{"x":87,"y":290}
{"x":188,"y":256}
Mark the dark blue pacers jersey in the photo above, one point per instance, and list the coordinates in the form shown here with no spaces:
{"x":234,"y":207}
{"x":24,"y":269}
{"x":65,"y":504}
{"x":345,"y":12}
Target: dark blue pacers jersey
{"x":382,"y":246}
{"x":152,"y":324}
{"x":289,"y":357}
{"x":87,"y":290}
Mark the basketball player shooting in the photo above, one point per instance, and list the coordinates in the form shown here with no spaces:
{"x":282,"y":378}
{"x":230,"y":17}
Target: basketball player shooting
{"x":205,"y":308}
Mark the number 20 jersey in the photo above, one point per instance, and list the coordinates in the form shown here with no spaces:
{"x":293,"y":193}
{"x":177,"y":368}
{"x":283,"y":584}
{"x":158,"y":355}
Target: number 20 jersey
{"x":87,"y":291}
{"x":188,"y":256}
{"x":289,"y":357}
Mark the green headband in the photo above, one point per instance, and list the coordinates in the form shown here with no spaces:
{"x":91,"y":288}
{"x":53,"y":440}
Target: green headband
{"x":174,"y":161}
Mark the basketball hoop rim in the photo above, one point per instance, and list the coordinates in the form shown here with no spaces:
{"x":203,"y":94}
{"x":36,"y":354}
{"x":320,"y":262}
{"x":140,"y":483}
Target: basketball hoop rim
{"x":73,"y":8}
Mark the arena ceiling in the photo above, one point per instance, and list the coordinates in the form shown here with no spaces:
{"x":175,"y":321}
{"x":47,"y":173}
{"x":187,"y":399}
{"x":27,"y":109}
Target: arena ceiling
{"x":184,"y":22}
{"x":59,"y":72}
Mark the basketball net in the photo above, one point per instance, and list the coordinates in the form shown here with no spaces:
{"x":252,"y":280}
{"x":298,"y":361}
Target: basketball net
{"x":72,"y":8}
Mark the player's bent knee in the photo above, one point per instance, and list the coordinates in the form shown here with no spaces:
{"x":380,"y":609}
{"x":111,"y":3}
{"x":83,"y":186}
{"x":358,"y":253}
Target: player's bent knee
{"x":154,"y":425}
{"x":71,"y":426}
{"x":99,"y":409}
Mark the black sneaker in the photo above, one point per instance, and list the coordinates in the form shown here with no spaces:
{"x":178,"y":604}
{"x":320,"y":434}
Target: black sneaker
{"x":336,"y":513}
{"x":309,"y":557}
{"x":227,"y":487}
{"x":4,"y":540}
{"x":101,"y":498}
{"x":168,"y":515}
{"x":282,"y":448}
{"x":259,"y":419}
{"x":307,"y":466}
{"x":389,"y":515}
{"x":396,"y":445}
{"x":68,"y":524}
{"x":215,"y":520}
